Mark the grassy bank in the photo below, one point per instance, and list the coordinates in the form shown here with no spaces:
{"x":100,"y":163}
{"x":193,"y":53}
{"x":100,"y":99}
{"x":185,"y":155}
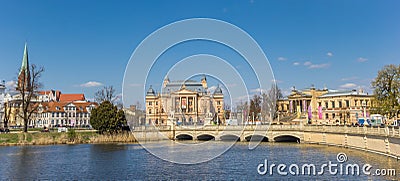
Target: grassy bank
{"x":71,"y":137}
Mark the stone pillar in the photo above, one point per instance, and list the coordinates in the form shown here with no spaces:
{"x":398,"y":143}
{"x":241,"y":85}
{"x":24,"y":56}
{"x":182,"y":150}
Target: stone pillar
{"x":365,"y":142}
{"x":387,"y":145}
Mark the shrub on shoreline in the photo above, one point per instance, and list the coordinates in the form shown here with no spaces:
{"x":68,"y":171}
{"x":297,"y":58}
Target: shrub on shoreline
{"x":70,"y":137}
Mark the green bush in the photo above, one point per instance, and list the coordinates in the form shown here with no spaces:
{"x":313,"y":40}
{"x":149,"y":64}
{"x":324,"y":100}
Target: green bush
{"x":71,"y":135}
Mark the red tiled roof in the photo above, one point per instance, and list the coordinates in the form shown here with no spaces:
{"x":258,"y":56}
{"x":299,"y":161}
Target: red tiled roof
{"x":72,"y":97}
{"x":44,"y":92}
{"x":52,"y":106}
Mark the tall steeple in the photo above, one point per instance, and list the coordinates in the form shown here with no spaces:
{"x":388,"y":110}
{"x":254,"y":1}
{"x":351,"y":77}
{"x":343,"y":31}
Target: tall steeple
{"x":24,"y":76}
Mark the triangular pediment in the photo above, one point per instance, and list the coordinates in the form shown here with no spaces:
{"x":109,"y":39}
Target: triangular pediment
{"x":184,"y":91}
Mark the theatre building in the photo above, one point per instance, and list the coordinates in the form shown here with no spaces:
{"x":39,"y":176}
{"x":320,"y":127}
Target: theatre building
{"x":184,"y":102}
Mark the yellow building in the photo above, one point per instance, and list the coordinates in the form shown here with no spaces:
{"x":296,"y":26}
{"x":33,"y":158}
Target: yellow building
{"x":326,"y":106}
{"x":184,"y":102}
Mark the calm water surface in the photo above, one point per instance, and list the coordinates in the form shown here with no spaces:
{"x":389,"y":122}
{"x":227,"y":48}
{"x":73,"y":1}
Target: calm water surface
{"x":132,"y":162}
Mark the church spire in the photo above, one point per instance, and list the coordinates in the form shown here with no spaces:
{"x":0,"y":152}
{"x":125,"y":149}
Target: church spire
{"x":24,"y":73}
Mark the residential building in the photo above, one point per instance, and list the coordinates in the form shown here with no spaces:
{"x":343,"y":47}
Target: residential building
{"x":50,"y":108}
{"x":2,"y":101}
{"x":69,"y":113}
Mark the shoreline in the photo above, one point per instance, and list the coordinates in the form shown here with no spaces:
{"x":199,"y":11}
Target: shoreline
{"x":53,"y":138}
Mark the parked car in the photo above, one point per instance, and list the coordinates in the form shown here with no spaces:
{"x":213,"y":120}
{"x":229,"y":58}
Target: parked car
{"x":62,"y":129}
{"x":4,"y":130}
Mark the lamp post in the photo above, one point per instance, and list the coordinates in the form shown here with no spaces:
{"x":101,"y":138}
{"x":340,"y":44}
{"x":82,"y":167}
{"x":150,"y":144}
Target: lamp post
{"x":253,"y":117}
{"x":364,"y":105}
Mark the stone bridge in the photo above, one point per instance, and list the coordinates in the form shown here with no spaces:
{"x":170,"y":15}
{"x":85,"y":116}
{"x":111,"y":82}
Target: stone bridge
{"x":374,"y":139}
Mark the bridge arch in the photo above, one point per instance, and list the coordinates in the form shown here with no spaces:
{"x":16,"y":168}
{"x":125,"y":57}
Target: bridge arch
{"x":184,"y":136}
{"x":287,"y":138}
{"x":230,"y":137}
{"x":256,"y":137}
{"x":205,"y":137}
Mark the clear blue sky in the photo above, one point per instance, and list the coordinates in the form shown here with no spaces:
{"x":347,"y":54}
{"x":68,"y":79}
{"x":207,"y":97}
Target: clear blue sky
{"x":341,"y":43}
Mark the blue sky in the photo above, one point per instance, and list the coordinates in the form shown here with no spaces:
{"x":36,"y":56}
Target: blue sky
{"x":85,"y":44}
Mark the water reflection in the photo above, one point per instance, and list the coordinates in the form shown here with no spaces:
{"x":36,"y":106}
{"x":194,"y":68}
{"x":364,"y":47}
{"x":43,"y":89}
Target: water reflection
{"x":131,"y":161}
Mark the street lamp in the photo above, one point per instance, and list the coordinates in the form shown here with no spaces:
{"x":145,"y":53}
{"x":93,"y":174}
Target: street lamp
{"x":253,"y":117}
{"x":364,"y":105}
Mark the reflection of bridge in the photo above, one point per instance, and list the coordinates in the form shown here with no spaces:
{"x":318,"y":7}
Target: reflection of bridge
{"x":380,"y":140}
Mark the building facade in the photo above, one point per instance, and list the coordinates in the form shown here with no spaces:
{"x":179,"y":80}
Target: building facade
{"x":2,"y":101}
{"x":327,"y":106}
{"x":48,"y":108}
{"x":55,"y":114}
{"x":184,"y":102}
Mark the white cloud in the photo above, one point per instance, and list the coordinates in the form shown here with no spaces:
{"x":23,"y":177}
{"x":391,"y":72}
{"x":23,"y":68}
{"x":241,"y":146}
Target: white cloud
{"x":308,"y":63}
{"x":348,"y":86}
{"x":91,"y":84}
{"x":319,"y":66}
{"x":296,"y":63}
{"x":361,"y":59}
{"x":11,"y":84}
{"x":258,"y":90}
{"x":329,"y":54}
{"x":349,"y":78}
{"x":286,"y":92}
{"x":282,"y":58}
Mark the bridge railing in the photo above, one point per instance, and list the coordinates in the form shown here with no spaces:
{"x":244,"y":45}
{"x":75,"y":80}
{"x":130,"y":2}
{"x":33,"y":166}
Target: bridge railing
{"x":379,"y":131}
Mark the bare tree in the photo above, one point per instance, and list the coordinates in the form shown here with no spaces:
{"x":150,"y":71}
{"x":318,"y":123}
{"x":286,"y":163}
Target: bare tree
{"x":28,"y":85}
{"x":227,"y":111}
{"x":7,"y":114}
{"x":105,"y":94}
{"x":270,"y":101}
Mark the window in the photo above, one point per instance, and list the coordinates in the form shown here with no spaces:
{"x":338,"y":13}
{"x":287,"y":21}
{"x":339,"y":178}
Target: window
{"x":347,"y":103}
{"x":219,"y":110}
{"x":326,"y":105}
{"x":218,"y":102}
{"x":326,"y":116}
{"x":333,"y":104}
{"x":340,"y":104}
{"x":149,"y":111}
{"x":333,"y":115}
{"x":150,"y":103}
{"x":156,"y":103}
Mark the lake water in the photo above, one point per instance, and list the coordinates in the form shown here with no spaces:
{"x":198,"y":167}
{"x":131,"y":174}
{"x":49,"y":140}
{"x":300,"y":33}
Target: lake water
{"x":132,"y":162}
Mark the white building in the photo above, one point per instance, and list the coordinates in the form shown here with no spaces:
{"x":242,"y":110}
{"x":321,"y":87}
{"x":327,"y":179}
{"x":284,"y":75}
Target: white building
{"x":2,"y":97}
